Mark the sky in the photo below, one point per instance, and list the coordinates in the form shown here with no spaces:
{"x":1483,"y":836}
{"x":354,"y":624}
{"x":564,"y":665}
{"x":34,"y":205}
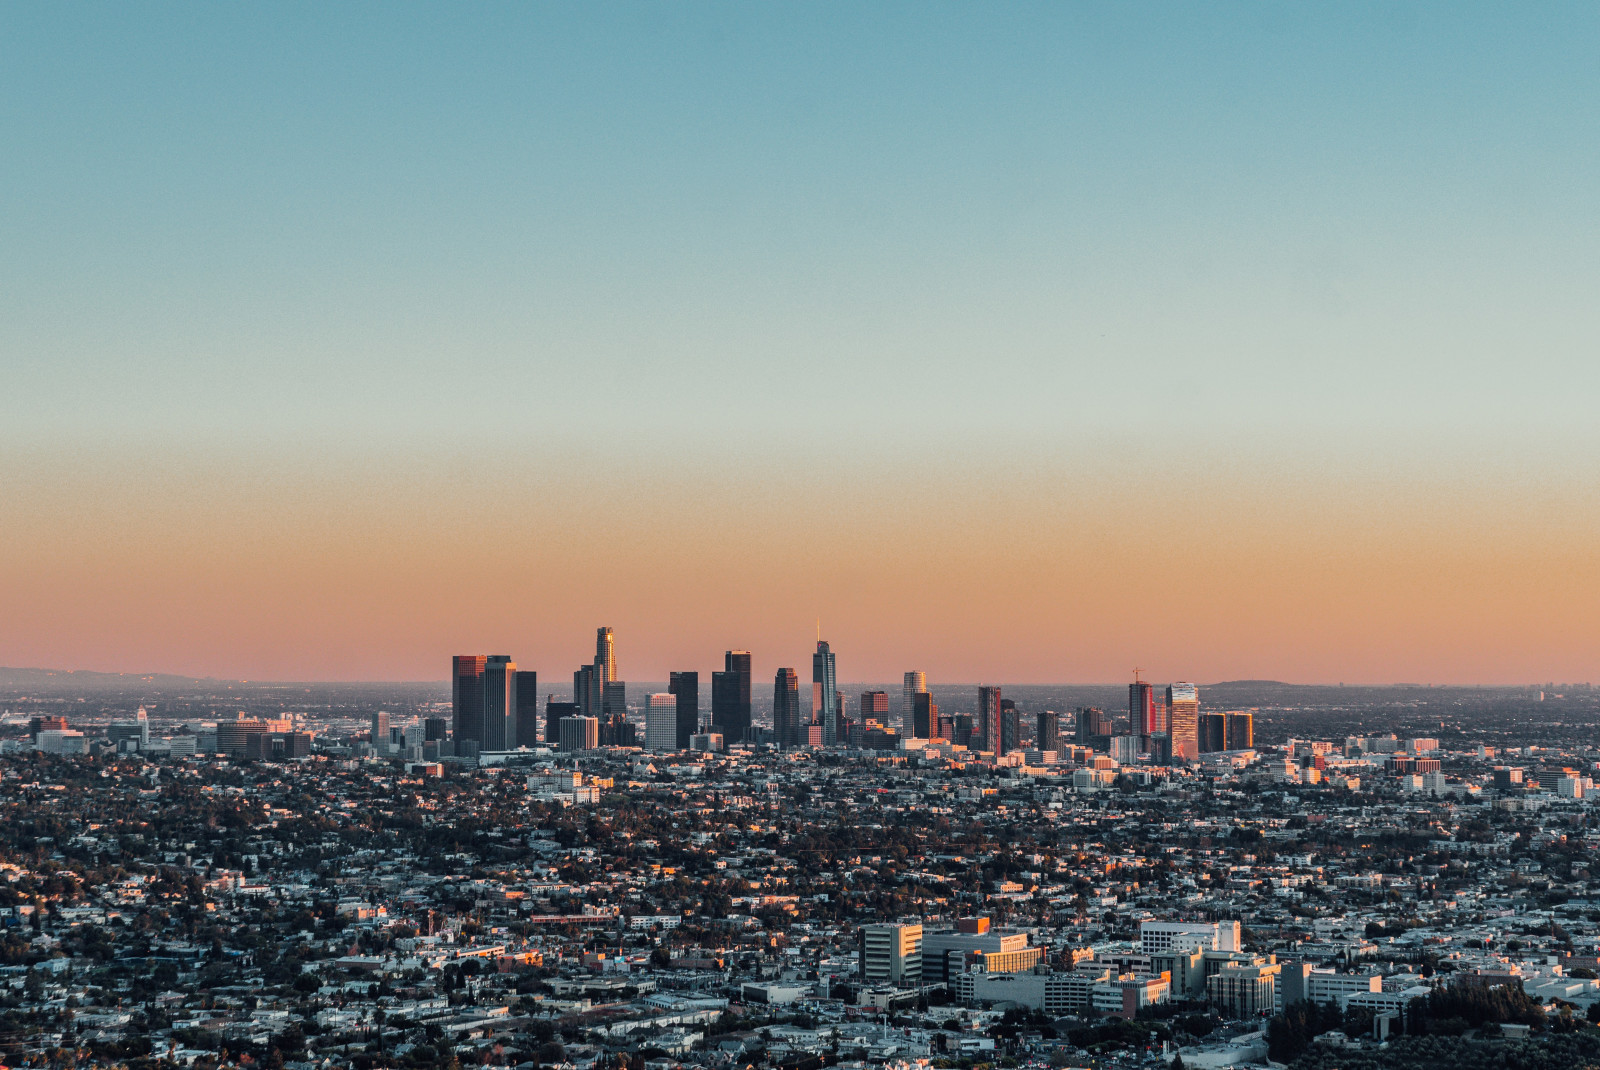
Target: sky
{"x":1018,"y":343}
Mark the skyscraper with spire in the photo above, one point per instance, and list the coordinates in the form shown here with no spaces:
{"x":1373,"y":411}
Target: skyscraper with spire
{"x":825,"y":693}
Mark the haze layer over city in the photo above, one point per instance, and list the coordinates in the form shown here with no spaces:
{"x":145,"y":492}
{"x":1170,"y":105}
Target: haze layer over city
{"x":753,"y":537}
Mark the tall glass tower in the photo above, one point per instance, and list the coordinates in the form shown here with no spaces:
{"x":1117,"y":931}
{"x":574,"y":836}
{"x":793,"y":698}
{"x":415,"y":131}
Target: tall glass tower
{"x":605,"y":655}
{"x":915,"y":684}
{"x":825,"y":693}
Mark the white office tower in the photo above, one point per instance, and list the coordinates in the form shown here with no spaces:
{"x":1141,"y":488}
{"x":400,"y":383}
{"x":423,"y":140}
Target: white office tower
{"x":916,"y":684}
{"x":661,"y":723}
{"x":1159,"y":937}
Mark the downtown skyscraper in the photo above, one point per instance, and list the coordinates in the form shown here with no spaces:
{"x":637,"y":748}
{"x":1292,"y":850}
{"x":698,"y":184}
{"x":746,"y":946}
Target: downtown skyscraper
{"x":483,"y":702}
{"x":989,"y":729}
{"x":685,"y":687}
{"x":786,"y":708}
{"x":730,"y":697}
{"x":825,"y":693}
{"x":1183,"y":721}
{"x":915,"y":683}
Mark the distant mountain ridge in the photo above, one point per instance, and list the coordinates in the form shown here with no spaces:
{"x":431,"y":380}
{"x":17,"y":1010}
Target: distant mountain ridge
{"x":88,"y":679}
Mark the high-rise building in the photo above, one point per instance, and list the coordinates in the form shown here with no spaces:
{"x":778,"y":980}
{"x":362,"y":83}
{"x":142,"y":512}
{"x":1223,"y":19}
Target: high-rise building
{"x":924,"y":716}
{"x":1047,"y":733}
{"x":1141,"y":710}
{"x":891,"y":954}
{"x":874,"y":707}
{"x":1241,"y":730}
{"x":588,"y":691}
{"x":730,"y":697}
{"x":614,"y":698}
{"x":580,"y":733}
{"x":961,"y":729}
{"x":1010,"y":727}
{"x":1213,"y":733}
{"x":914,"y":682}
{"x":499,"y":703}
{"x":1183,"y":721}
{"x":786,"y":708}
{"x":825,"y":693}
{"x":1094,"y":727}
{"x":986,"y":730}
{"x":466,"y":696}
{"x":605,"y":655}
{"x":527,"y":719}
{"x":661,"y":722}
{"x":379,"y":732}
{"x":437,"y":728}
{"x":685,"y":687}
{"x":554,"y":712}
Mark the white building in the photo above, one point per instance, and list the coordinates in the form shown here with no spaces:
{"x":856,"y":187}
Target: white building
{"x":661,"y":723}
{"x":1158,"y":937}
{"x":61,"y":741}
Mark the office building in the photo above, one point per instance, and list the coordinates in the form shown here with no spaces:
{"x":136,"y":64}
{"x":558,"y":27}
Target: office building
{"x":1241,"y":730}
{"x":1160,"y":937}
{"x":499,"y":703}
{"x":1213,"y":732}
{"x":786,"y":708}
{"x":987,"y":728}
{"x":924,"y":716}
{"x":890,"y":954}
{"x":588,"y":691}
{"x":554,"y":713}
{"x":1141,"y":710}
{"x":730,"y":697}
{"x":961,"y":728}
{"x":233,"y":736}
{"x":466,"y":696}
{"x":685,"y":687}
{"x":605,"y":656}
{"x":614,"y":698}
{"x":1244,"y":990}
{"x":1010,"y":727}
{"x":278,"y":746}
{"x":706,"y":742}
{"x":134,"y":733}
{"x":825,"y":693}
{"x":1094,"y":728}
{"x":661,"y":723}
{"x":1047,"y":731}
{"x":874,"y":707}
{"x":526,"y":721}
{"x":1183,"y":721}
{"x":915,"y":682}
{"x":617,"y":731}
{"x":378,"y":733}
{"x":947,"y":953}
{"x":437,"y":728}
{"x":580,"y":733}
{"x":1508,"y":778}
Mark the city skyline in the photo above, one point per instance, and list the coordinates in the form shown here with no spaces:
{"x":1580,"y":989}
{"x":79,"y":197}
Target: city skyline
{"x":1025,"y":343}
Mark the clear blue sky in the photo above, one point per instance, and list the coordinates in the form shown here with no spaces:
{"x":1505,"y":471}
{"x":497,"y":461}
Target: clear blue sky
{"x":248,"y":216}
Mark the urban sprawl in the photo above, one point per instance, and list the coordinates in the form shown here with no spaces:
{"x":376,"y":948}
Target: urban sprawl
{"x":204,"y":874}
